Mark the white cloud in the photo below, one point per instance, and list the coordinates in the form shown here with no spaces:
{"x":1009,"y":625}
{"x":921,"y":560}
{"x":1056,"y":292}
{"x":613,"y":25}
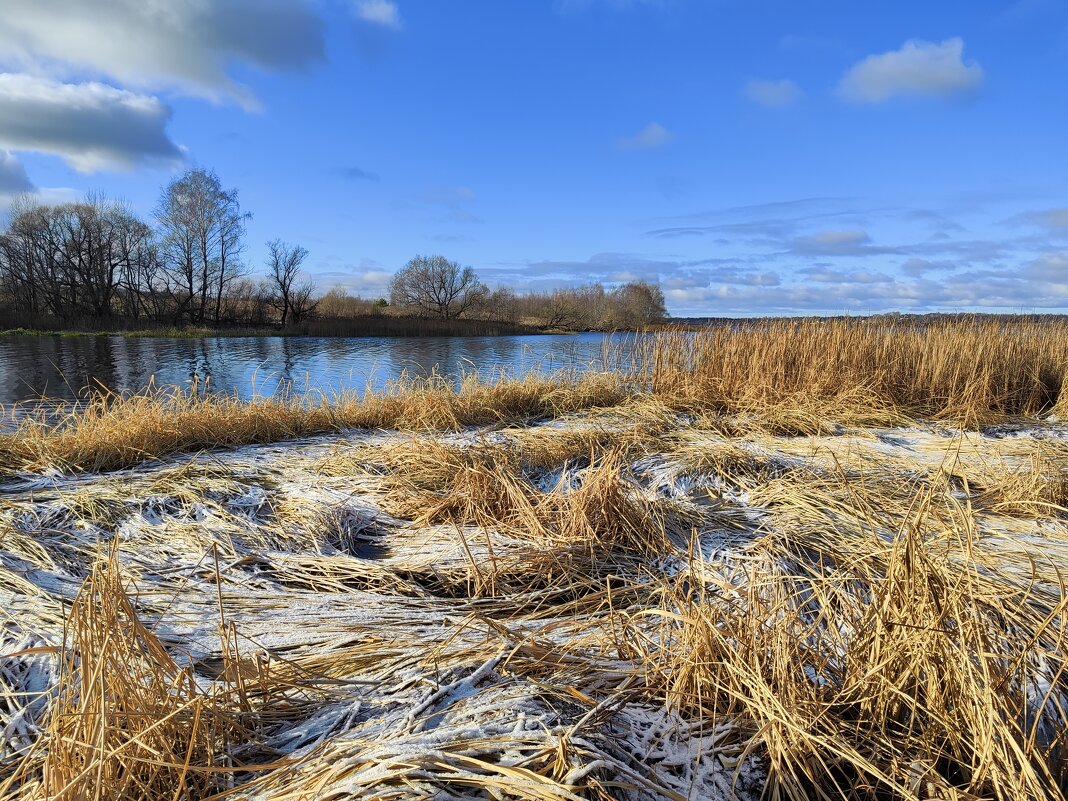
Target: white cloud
{"x":918,"y":69}
{"x":773,"y":94}
{"x":378,"y":12}
{"x":1048,"y":267}
{"x":368,"y":279}
{"x":90,"y":125}
{"x":13,"y":178}
{"x":186,"y":45}
{"x":652,"y":136}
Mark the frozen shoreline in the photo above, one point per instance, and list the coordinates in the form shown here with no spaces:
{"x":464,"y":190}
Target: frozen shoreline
{"x":425,"y":669}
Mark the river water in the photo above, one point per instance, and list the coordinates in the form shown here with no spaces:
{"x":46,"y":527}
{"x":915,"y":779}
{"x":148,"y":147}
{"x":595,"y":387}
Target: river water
{"x":32,"y":367}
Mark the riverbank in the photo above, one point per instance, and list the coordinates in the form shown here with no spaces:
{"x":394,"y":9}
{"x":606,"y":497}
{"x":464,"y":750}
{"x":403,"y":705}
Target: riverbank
{"x":808,"y":561}
{"x":800,"y":377}
{"x":625,"y":601}
{"x":366,"y":326}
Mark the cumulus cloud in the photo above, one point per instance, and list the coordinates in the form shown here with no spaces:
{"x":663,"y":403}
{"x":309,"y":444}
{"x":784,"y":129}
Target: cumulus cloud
{"x":90,"y":125}
{"x":13,"y":178}
{"x":652,"y":136}
{"x":918,"y":69}
{"x":378,"y":12}
{"x":773,"y":94}
{"x":187,"y":46}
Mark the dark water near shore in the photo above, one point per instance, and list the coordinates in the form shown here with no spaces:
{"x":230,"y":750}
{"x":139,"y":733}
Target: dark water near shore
{"x":32,"y":367}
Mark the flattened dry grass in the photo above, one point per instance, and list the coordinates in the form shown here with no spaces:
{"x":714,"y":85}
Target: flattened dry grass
{"x":604,"y":513}
{"x":869,"y":666}
{"x":883,"y":623}
{"x":127,"y":722}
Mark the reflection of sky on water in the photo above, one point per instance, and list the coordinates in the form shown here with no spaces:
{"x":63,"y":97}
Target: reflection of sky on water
{"x":62,"y":367}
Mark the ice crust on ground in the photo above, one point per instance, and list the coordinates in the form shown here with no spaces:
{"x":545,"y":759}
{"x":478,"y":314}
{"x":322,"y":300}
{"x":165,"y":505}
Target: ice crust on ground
{"x":427,"y":690}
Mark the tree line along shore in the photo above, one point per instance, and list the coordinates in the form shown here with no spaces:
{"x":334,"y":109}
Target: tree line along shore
{"x":97,"y":266}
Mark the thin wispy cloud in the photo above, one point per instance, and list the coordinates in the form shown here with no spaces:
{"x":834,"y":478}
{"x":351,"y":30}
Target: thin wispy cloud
{"x":838,"y":242}
{"x":378,"y":12}
{"x":837,"y":255}
{"x":773,"y":94}
{"x":448,"y":204}
{"x":650,"y":137}
{"x":1054,"y":220}
{"x":917,"y":69}
{"x":353,"y":173}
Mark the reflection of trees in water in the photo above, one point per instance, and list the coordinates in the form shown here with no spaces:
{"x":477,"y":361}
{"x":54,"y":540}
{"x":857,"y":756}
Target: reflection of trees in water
{"x":449,"y":357}
{"x":63,"y":366}
{"x":59,"y":367}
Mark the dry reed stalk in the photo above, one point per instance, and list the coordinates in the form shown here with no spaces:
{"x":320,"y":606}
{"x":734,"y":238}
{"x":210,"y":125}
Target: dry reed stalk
{"x":907,"y":668}
{"x":109,"y":431}
{"x":1033,"y":486}
{"x":482,"y":486}
{"x":127,"y":722}
{"x":969,"y":371}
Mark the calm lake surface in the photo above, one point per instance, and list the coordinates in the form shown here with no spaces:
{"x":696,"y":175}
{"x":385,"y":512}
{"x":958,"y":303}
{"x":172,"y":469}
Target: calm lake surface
{"x":32,"y":367}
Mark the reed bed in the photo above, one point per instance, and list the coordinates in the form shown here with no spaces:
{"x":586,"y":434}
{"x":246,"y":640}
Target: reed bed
{"x":624,"y":587}
{"x":794,"y":377}
{"x":969,"y":371}
{"x":111,"y":431}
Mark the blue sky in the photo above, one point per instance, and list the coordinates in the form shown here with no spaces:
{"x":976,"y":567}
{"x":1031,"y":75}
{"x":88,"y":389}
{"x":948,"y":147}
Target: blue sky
{"x":752,"y":157}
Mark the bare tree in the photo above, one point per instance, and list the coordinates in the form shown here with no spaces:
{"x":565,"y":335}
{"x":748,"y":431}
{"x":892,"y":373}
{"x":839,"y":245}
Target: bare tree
{"x":201,"y":227}
{"x":231,"y":243}
{"x":283,"y":267}
{"x":300,"y":301}
{"x":85,"y":259}
{"x":635,"y":304}
{"x":433,"y":285}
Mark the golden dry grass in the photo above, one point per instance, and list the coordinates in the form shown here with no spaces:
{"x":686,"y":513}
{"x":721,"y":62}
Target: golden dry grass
{"x":126,"y":722}
{"x":962,"y":370}
{"x":111,"y":431}
{"x":865,"y":617}
{"x":792,"y":377}
{"x":870,"y":666}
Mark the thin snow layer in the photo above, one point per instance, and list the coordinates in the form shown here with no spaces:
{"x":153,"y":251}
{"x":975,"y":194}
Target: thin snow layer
{"x":404,"y":676}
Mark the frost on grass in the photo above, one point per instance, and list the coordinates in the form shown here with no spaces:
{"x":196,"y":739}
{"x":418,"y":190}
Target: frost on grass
{"x":343,"y":641}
